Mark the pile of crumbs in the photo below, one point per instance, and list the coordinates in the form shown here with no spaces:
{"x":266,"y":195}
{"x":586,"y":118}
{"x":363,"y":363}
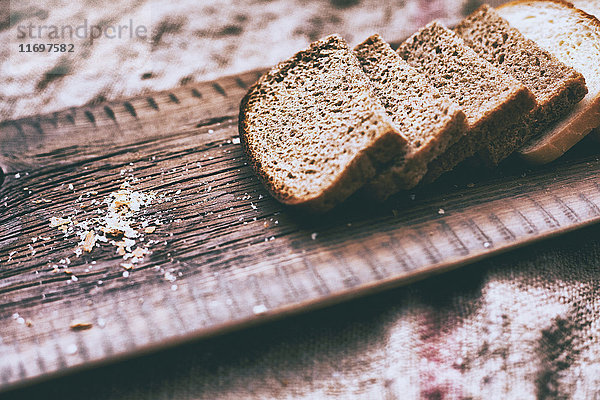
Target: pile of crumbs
{"x":116,"y":225}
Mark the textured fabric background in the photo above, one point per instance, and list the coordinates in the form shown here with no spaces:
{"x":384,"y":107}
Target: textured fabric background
{"x":524,"y":325}
{"x":188,"y":40}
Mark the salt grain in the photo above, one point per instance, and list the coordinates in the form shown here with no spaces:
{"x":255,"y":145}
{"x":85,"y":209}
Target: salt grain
{"x":71,"y":349}
{"x":259,"y":309}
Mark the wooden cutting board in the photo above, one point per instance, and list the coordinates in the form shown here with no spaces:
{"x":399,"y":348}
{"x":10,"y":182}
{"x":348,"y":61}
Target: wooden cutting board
{"x":225,"y":255}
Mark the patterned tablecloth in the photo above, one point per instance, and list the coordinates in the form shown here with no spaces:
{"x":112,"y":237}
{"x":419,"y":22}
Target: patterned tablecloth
{"x":522,"y":325}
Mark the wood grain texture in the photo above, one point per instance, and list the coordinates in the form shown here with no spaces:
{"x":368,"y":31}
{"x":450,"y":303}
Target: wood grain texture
{"x":238,"y":256}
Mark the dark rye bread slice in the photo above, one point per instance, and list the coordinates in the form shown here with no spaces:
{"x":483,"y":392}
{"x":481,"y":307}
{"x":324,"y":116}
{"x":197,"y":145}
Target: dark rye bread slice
{"x":556,"y":86}
{"x":488,"y":96}
{"x":313,"y":128}
{"x":427,"y":119}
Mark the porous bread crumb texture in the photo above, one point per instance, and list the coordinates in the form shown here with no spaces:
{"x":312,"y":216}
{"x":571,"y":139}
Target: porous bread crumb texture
{"x":556,"y":86}
{"x":573,"y":37}
{"x":488,"y":96}
{"x":495,"y":40}
{"x":458,"y":72}
{"x":314,"y":129}
{"x":579,"y":48}
{"x":426,"y":118}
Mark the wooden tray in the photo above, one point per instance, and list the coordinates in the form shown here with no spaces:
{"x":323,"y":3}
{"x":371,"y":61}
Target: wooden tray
{"x":238,"y":256}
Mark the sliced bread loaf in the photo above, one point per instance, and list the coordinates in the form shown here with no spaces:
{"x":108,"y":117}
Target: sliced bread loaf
{"x":573,"y":37}
{"x":427,"y":119}
{"x":557,"y":87}
{"x":313,"y":128}
{"x":488,"y":96}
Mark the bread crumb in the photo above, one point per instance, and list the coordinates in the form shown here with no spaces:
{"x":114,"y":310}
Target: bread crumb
{"x":59,"y":221}
{"x":89,"y":241}
{"x":118,"y":220}
{"x":80,"y":325}
{"x":313,"y":235}
{"x":441,"y":211}
{"x":170,"y":277}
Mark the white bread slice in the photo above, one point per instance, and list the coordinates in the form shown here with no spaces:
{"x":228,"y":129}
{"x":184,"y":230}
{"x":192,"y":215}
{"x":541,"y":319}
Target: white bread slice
{"x":573,"y":37}
{"x":591,"y":7}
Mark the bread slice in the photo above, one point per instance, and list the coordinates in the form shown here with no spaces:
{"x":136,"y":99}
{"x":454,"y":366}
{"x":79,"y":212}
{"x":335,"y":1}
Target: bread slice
{"x":488,"y":96}
{"x":427,"y":119}
{"x":573,"y":37}
{"x":556,"y":87}
{"x":591,"y":7}
{"x":313,"y":128}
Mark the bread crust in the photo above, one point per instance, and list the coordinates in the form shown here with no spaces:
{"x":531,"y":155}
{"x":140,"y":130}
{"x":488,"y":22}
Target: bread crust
{"x":580,"y":122}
